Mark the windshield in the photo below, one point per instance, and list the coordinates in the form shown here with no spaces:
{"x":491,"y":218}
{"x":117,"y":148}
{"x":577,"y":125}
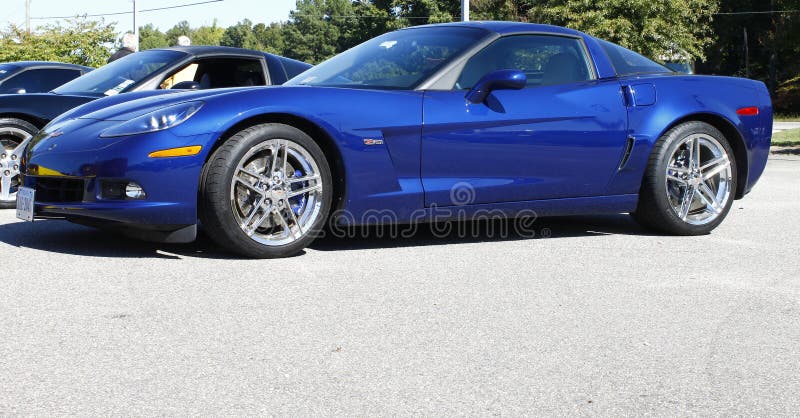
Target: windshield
{"x":6,"y":70}
{"x":116,"y":77}
{"x":396,"y":60}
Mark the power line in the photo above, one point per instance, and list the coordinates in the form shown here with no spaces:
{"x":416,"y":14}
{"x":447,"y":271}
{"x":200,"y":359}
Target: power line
{"x":758,"y":13}
{"x":129,"y":12}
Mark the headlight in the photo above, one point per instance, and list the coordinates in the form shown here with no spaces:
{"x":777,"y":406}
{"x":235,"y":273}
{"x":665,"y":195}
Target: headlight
{"x":158,"y":120}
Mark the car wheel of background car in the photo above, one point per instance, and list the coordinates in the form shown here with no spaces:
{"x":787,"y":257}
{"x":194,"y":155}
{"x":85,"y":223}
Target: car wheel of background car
{"x":266,"y":192}
{"x":13,"y":132}
{"x":690,"y":181}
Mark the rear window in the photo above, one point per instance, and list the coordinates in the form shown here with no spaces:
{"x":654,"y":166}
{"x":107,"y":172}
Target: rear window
{"x":627,"y":62}
{"x":294,"y":68}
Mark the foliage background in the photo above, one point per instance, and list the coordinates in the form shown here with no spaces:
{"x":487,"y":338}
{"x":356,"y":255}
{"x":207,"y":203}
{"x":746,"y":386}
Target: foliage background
{"x":315,"y":30}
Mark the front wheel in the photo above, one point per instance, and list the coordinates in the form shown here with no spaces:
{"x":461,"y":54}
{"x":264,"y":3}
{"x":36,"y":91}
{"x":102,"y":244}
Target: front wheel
{"x":690,"y":182}
{"x":266,"y":192}
{"x":14,"y":135}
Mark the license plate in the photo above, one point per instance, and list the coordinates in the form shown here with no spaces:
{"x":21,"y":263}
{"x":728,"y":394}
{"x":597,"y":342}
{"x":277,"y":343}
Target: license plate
{"x":25,"y":199}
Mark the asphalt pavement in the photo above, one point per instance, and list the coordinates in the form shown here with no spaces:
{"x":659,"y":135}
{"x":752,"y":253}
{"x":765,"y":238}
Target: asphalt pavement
{"x":592,"y":316}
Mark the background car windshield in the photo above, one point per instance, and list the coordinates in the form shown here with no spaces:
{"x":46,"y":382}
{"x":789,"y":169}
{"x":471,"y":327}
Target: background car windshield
{"x":6,"y":70}
{"x":396,"y":60}
{"x":627,"y":62}
{"x":121,"y":74}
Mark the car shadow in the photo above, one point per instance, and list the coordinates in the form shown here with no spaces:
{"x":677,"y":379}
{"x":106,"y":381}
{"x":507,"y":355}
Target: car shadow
{"x":465,"y":232}
{"x":64,"y":237}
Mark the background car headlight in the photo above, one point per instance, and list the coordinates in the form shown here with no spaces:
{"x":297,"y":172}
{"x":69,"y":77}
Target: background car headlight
{"x":158,"y":120}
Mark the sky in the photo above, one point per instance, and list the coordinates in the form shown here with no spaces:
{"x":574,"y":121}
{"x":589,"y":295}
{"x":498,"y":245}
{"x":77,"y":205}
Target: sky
{"x":227,"y":12}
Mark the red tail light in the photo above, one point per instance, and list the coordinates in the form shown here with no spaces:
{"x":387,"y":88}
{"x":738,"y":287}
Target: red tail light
{"x":747,"y":111}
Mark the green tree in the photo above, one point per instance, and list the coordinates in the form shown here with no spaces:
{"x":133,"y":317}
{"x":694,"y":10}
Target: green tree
{"x":240,"y":35}
{"x":310,"y":35}
{"x":270,"y":38}
{"x":422,"y":12}
{"x":208,"y":35}
{"x":660,"y":29}
{"x":78,"y":41}
{"x":150,"y":37}
{"x":181,"y":29}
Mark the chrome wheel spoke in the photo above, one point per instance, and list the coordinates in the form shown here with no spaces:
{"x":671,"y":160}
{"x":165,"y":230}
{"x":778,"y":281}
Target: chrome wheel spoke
{"x":253,"y":222}
{"x":289,"y":231}
{"x":5,"y":188}
{"x":246,"y":223}
{"x":686,"y":203}
{"x":274,"y":157}
{"x":714,"y":163}
{"x":293,"y":180}
{"x":718,"y":168}
{"x":293,"y":215}
{"x":304,"y":190}
{"x":709,"y":198}
{"x":250,"y":173}
{"x":676,"y":178}
{"x":249,"y":186}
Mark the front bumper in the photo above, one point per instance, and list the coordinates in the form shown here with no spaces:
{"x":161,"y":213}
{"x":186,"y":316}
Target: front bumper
{"x":69,"y":173}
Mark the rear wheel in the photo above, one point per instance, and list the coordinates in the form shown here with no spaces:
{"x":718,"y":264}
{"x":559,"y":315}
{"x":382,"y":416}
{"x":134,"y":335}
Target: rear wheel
{"x":266,"y":192}
{"x":13,"y":133}
{"x":690,"y":182}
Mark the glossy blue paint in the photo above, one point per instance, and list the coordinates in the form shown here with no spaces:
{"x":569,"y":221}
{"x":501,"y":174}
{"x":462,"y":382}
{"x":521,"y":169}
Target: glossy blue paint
{"x":537,"y":143}
{"x":555,"y":150}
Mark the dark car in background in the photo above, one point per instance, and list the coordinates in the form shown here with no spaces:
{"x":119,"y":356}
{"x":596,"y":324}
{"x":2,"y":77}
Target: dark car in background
{"x":168,"y":69}
{"x":37,"y":76}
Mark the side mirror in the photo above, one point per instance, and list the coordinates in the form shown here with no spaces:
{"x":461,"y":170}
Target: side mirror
{"x":186,"y":85}
{"x":496,"y":80}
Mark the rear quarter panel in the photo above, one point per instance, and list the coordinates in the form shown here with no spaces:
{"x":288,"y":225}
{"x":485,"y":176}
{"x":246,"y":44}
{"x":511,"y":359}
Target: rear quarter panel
{"x":685,"y":97}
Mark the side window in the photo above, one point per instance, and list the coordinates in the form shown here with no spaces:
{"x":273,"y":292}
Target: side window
{"x":545,"y":59}
{"x":187,"y":73}
{"x":40,"y":80}
{"x":214,"y":73}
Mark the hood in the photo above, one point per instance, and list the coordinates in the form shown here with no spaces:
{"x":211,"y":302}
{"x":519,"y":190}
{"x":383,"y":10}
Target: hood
{"x":130,"y":105}
{"x":41,"y":106}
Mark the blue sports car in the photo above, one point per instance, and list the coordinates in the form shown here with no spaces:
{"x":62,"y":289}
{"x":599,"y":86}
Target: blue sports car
{"x":419,"y":124}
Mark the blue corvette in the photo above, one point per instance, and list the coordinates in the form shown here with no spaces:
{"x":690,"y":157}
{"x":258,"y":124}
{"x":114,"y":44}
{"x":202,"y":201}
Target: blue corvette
{"x":412,"y":125}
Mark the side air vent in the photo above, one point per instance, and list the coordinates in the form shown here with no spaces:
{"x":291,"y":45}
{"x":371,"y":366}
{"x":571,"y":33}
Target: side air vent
{"x":627,"y":155}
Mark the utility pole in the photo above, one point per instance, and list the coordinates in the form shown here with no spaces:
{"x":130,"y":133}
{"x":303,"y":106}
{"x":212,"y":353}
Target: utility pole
{"x":465,"y":10}
{"x":28,"y":16}
{"x":135,"y":25}
{"x":746,"y":55}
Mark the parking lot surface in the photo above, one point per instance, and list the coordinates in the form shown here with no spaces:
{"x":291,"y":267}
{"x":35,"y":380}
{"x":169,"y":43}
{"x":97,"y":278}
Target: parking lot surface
{"x":600,"y":318}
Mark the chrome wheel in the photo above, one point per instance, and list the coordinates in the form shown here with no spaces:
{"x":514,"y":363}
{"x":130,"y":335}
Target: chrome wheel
{"x":276,"y":192}
{"x":698,"y":179}
{"x":12,"y":143}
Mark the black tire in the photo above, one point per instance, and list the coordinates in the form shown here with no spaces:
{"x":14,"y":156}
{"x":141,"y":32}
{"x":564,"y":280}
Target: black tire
{"x":215,"y":208}
{"x":8,"y":142}
{"x":654,"y":210}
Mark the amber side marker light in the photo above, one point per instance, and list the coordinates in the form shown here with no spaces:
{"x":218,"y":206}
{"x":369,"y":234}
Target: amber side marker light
{"x":176,"y":152}
{"x":747,"y":111}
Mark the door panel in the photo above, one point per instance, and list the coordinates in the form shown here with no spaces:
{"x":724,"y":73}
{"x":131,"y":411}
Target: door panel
{"x":547,"y":142}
